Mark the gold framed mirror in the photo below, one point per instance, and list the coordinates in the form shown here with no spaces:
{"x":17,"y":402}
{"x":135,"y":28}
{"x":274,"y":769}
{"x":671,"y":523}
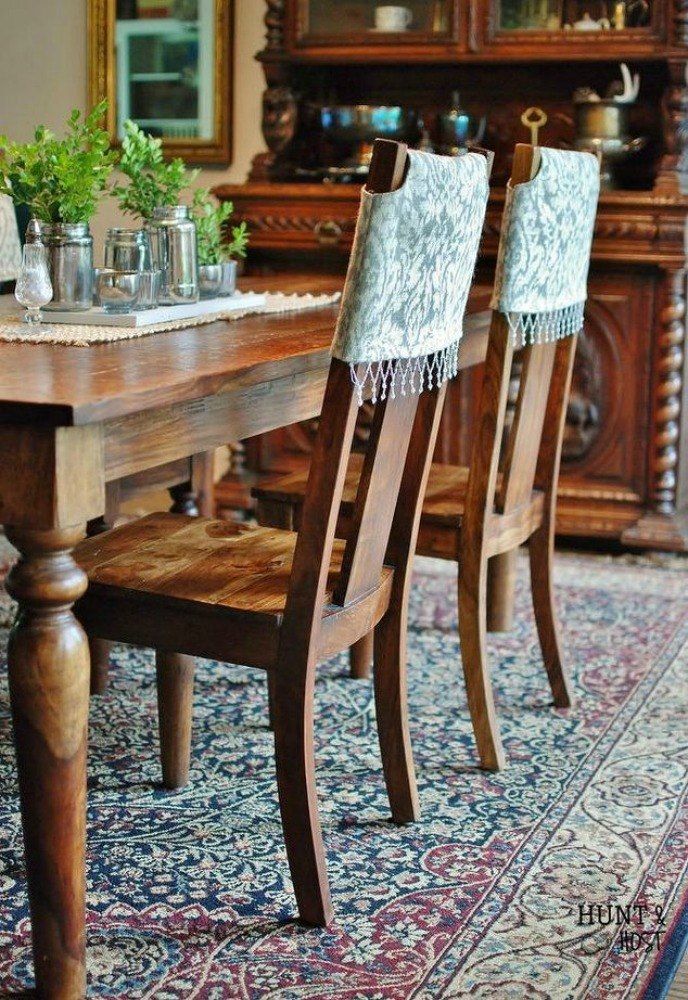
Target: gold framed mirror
{"x":166,"y":64}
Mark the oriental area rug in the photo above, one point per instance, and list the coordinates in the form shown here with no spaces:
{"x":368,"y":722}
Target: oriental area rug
{"x":562,"y":877}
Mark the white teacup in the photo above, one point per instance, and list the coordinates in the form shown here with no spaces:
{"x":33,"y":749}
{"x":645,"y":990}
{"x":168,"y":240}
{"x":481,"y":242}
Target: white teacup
{"x":392,"y":18}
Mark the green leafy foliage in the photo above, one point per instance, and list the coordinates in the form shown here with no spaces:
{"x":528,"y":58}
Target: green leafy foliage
{"x":61,"y":180}
{"x":210,"y":217}
{"x":151,"y":182}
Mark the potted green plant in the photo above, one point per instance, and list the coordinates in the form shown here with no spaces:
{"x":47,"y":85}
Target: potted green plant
{"x":61,"y":181}
{"x":217,"y":256}
{"x":151,"y":190}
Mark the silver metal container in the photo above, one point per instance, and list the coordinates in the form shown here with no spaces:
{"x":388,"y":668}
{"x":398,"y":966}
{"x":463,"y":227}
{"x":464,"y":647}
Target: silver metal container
{"x":602,"y":129}
{"x":127,"y":249}
{"x":217,"y":280}
{"x":353,"y":129}
{"x":172,"y":234}
{"x":209,"y":280}
{"x":229,"y":278}
{"x":70,"y":260}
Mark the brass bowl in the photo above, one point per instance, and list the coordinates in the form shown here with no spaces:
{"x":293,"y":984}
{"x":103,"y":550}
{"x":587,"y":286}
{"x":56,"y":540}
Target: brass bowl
{"x":602,"y":129}
{"x":601,"y":119}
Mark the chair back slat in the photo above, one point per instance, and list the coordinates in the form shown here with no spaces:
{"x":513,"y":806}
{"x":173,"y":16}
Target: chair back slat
{"x":487,"y":437}
{"x":547,"y":470}
{"x":376,"y":498}
{"x":383,"y":466}
{"x":540,"y":404}
{"x":522,"y":447}
{"x":313,"y":551}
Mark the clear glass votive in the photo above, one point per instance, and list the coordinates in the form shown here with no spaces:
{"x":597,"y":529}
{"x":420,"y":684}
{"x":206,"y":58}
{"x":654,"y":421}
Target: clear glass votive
{"x":117,"y":291}
{"x":150,"y":289}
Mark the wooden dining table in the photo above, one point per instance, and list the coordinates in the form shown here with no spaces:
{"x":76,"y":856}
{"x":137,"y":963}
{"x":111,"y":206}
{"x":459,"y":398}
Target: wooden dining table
{"x":72,"y":420}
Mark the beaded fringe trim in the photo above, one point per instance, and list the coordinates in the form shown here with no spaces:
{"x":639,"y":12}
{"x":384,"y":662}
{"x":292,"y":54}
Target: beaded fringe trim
{"x":545,"y":327}
{"x":380,"y":379}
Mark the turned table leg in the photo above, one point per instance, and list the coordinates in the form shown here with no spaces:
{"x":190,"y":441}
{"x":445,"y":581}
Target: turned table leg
{"x":48,"y":663}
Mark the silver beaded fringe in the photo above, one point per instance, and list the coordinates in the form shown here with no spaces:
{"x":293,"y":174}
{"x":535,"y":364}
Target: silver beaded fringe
{"x":545,"y":327}
{"x":380,"y":379}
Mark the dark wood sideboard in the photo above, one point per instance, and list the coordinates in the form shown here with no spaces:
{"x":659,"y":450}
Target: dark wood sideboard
{"x":625,"y":467}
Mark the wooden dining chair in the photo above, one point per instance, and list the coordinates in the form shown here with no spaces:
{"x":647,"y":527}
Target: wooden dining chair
{"x":506,"y":497}
{"x":282,"y":601}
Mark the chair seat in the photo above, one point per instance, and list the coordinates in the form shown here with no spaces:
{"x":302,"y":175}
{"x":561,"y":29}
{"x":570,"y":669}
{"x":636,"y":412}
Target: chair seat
{"x":204,"y":587}
{"x":443,"y":507}
{"x":444,"y":497}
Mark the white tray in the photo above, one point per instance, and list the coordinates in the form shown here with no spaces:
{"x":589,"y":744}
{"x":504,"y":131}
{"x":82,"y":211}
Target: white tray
{"x":162,"y":314}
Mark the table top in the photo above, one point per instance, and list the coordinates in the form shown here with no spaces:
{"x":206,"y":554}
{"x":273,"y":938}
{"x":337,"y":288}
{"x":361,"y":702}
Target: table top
{"x":57,"y":385}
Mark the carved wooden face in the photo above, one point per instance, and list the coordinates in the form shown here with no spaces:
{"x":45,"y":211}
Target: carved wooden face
{"x":583,"y":416}
{"x":279,"y":118}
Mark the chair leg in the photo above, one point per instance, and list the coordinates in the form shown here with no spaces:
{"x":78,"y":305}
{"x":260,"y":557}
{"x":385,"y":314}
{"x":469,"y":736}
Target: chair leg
{"x":175,"y":678}
{"x":501,"y":587}
{"x":472,"y":634}
{"x":361,"y":657}
{"x":99,"y":649}
{"x":100,"y":665}
{"x":541,"y":550}
{"x":293,"y":728}
{"x":271,"y":699}
{"x":392,"y":717}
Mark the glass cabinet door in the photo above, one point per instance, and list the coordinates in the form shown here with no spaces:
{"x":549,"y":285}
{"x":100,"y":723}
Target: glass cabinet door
{"x":574,"y":16}
{"x":339,"y":20}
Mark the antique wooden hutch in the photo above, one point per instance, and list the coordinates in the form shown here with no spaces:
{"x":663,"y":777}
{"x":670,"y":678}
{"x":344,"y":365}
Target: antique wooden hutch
{"x":625,"y":472}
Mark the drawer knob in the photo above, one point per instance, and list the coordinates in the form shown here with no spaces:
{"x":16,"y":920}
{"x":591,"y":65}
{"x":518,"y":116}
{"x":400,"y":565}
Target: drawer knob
{"x":328,"y":232}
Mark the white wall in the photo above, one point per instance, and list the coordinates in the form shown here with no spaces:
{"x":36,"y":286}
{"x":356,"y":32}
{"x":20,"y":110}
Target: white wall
{"x":44,"y":74}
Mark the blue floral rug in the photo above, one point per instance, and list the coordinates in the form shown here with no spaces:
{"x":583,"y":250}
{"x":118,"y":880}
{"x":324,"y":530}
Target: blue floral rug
{"x":563,"y":877}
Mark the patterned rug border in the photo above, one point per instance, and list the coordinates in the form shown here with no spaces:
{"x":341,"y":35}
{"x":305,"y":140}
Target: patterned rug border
{"x":662,"y":975}
{"x":560,"y":810}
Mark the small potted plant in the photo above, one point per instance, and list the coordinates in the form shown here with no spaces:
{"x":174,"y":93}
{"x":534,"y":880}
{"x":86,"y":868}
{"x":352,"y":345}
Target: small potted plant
{"x":217,"y":256}
{"x":150,"y":182}
{"x":151,"y":191}
{"x":61,"y":182}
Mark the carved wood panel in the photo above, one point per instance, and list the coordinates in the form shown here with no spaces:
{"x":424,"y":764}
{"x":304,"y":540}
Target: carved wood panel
{"x":608,"y":430}
{"x":608,"y":423}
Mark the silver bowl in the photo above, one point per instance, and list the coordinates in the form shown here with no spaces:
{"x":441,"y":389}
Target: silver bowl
{"x":217,"y":280}
{"x":354,"y":128}
{"x":209,"y":280}
{"x":117,"y":291}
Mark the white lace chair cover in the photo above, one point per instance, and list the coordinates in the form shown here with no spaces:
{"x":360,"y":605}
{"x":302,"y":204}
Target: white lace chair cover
{"x":10,"y":247}
{"x":544,"y":250}
{"x":409,"y":275}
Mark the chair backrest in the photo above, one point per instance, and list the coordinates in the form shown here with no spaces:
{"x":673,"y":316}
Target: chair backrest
{"x":396,"y":465}
{"x":528,"y":451}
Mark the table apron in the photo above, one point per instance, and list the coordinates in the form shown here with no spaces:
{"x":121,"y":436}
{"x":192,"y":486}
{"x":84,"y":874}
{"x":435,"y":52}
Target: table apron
{"x":141,"y":441}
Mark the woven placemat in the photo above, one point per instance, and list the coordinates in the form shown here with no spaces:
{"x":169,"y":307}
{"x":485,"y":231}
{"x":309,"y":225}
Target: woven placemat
{"x":14,"y":330}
